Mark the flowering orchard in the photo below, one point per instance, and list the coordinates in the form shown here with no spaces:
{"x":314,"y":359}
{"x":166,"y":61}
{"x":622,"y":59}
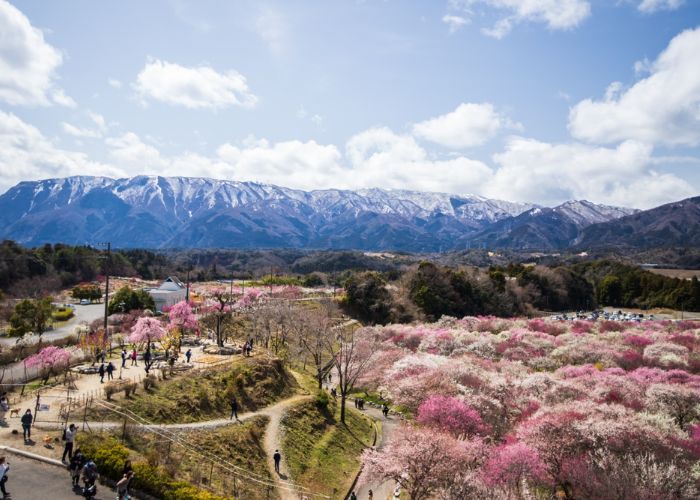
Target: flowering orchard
{"x":540,"y":409}
{"x":50,"y":361}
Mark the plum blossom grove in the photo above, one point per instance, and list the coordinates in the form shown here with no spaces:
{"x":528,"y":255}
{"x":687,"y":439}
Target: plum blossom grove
{"x":49,"y":360}
{"x":540,"y":409}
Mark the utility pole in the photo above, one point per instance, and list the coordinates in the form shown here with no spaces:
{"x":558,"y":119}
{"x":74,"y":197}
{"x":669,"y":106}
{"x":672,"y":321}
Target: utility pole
{"x":107,"y":261}
{"x":187,"y":292}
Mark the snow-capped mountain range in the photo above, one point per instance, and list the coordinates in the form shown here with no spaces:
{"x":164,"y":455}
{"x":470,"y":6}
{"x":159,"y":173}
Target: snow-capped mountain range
{"x":166,"y":212}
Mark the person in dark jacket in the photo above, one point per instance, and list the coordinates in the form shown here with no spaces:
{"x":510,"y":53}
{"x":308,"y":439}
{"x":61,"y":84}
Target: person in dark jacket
{"x":76,"y":465}
{"x":27,"y":420}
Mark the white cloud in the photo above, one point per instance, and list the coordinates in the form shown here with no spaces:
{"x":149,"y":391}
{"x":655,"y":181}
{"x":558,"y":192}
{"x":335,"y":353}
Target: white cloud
{"x":271,"y":27}
{"x":194,"y":88}
{"x":555,"y":14}
{"x":455,"y":23}
{"x":113,"y":82}
{"x":469,"y":125}
{"x":663,"y":108}
{"x":59,"y":97}
{"x":27,"y":62}
{"x":651,"y":6}
{"x":381,"y":158}
{"x":129,"y":150}
{"x":25,"y":154}
{"x":535,"y":171}
{"x":79,"y":132}
{"x":98,"y":120}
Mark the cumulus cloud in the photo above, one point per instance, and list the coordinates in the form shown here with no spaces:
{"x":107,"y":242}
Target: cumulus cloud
{"x":651,"y":6}
{"x":555,"y":14}
{"x":535,"y":171}
{"x":663,"y":108}
{"x":27,"y":63}
{"x":469,"y":125}
{"x":129,"y":150}
{"x":200,"y":87}
{"x":525,"y":170}
{"x":26,"y":154}
{"x":381,"y":158}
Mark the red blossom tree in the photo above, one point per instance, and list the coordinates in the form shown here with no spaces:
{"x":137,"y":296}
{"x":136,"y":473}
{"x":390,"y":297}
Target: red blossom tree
{"x":452,"y":415}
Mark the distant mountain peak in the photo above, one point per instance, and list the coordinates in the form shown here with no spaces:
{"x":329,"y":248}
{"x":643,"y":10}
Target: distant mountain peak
{"x":159,"y":212}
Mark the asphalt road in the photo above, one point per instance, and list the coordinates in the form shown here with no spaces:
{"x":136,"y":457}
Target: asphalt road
{"x":15,"y":371}
{"x":83,"y":314}
{"x":32,"y":480}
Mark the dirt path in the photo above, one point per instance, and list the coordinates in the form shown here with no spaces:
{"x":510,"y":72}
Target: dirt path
{"x":273,"y":442}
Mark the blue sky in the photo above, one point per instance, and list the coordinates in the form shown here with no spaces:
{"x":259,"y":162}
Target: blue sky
{"x":525,"y":100}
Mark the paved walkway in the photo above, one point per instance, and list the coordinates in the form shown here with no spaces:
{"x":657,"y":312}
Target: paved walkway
{"x":30,"y":480}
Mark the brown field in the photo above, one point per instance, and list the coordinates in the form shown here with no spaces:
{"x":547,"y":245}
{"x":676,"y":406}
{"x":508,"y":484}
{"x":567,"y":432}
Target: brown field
{"x":685,"y":274}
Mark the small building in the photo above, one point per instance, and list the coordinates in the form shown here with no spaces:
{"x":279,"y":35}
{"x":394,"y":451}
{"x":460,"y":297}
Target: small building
{"x":169,"y":293}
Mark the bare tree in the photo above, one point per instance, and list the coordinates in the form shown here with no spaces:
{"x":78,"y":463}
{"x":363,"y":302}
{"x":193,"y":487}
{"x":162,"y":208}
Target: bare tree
{"x":355,"y":350}
{"x":315,"y":336}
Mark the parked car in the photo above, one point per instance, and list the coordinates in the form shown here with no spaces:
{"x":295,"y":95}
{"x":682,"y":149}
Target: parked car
{"x":84,"y":302}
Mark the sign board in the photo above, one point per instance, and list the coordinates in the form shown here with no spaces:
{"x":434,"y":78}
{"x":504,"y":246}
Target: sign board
{"x":44,"y":407}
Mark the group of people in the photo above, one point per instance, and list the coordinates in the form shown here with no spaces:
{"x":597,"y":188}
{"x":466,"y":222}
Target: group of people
{"x":108,"y":369}
{"x":79,"y":464}
{"x":370,"y":495}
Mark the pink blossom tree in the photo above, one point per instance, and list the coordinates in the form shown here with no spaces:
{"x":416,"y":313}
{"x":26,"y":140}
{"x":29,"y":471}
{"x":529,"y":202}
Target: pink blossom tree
{"x":180,"y":319}
{"x":147,"y":330}
{"x":513,"y":464}
{"x":452,"y":415}
{"x":423,"y":461}
{"x":48,"y":360}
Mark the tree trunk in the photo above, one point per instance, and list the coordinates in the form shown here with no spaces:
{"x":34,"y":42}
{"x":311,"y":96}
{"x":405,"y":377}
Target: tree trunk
{"x":342,"y":407}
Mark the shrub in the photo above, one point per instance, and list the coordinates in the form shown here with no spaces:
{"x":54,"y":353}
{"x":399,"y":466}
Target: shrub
{"x":149,"y":381}
{"x":110,"y":389}
{"x":129,"y":389}
{"x":611,"y":326}
{"x":322,"y":400}
{"x":540,"y":325}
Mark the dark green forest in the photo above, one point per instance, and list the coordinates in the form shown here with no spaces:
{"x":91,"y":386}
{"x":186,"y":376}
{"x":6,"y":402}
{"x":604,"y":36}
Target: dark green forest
{"x":380,"y":288}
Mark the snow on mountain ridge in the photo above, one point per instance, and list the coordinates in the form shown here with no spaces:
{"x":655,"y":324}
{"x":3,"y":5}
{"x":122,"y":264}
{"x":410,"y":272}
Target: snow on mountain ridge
{"x":184,"y":195}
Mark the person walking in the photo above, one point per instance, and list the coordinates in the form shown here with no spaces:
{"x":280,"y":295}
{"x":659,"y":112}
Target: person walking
{"x":123,"y":358}
{"x":234,"y":407}
{"x":370,"y":495}
{"x":69,"y":436}
{"x":110,"y":371}
{"x":133,"y":358}
{"x":147,"y":360}
{"x":353,"y":496}
{"x":4,"y":468}
{"x":101,"y":372}
{"x":188,"y":354}
{"x":76,"y":465}
{"x":277,"y":458}
{"x":385,"y":410}
{"x":123,"y":485}
{"x":27,"y":419}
